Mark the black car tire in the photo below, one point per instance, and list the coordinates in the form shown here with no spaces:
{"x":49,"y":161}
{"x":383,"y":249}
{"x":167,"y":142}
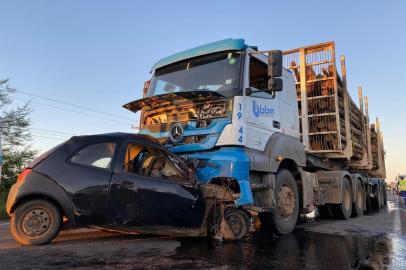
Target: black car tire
{"x":238,"y":221}
{"x":35,"y":222}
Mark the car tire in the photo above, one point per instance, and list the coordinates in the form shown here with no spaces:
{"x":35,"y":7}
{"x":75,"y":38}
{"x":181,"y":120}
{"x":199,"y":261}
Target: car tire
{"x":35,"y":222}
{"x":238,"y":221}
{"x":358,"y":205}
{"x":283,"y":219}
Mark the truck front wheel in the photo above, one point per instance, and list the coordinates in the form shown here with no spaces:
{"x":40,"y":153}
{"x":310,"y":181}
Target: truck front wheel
{"x":283,"y":219}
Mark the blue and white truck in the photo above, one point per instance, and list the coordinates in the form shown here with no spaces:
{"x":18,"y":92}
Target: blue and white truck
{"x":279,"y":129}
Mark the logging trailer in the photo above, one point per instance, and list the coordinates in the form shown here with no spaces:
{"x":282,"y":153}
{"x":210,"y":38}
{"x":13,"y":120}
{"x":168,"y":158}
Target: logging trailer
{"x":278,"y":129}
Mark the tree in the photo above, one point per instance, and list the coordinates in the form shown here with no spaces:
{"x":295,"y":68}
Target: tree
{"x":15,"y":134}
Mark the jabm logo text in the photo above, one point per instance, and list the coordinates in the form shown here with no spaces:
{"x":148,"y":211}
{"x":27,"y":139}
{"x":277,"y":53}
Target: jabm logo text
{"x":262,"y":110}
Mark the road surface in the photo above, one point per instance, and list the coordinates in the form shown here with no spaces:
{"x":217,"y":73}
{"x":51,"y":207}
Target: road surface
{"x":375,"y":241}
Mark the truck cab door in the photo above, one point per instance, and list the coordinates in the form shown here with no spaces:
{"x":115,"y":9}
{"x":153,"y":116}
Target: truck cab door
{"x":151,"y":192}
{"x":262,"y":110}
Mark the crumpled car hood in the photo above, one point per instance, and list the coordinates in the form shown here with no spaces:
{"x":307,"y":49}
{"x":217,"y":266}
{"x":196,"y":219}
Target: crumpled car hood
{"x":171,"y":99}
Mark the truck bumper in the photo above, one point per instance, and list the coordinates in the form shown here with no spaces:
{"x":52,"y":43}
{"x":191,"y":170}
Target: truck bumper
{"x":230,"y":162}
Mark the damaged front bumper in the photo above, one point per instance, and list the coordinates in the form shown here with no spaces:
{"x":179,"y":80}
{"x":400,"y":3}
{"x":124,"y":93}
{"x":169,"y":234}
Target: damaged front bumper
{"x":226,"y":162}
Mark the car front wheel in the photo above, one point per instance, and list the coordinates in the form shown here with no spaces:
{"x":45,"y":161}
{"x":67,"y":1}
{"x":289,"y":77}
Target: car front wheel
{"x":35,"y":222}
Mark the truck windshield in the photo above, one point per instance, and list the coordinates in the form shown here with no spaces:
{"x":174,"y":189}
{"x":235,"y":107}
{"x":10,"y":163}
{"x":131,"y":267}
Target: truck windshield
{"x":218,"y":72}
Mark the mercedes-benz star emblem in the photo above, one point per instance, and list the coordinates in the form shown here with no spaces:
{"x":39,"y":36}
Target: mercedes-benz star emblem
{"x":176,"y":134}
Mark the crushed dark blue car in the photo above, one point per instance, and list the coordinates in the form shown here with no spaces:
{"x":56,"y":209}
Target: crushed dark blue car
{"x":124,"y":182}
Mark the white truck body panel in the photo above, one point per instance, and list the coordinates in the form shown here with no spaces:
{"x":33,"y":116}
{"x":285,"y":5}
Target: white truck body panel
{"x":256,"y":117}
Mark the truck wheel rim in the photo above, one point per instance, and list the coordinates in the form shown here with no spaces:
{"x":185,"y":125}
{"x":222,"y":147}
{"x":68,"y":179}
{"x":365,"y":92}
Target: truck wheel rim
{"x":36,"y":222}
{"x":286,"y":201}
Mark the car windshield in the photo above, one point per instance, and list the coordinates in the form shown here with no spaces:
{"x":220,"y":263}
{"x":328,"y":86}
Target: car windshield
{"x":218,"y":72}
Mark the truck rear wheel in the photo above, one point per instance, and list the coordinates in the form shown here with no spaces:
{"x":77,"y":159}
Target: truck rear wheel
{"x":382,"y":191}
{"x":344,"y":209}
{"x":283,"y":219}
{"x":385,"y":197}
{"x":358,"y":206}
{"x":377,"y":200}
{"x":35,"y":222}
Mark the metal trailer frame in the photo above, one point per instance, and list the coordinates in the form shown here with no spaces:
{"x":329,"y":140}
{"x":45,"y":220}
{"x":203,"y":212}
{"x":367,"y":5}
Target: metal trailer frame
{"x":318,"y":85}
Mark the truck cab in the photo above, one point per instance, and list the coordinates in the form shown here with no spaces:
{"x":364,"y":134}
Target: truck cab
{"x":218,"y":103}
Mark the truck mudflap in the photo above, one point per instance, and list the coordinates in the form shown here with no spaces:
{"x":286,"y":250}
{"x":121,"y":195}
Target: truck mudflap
{"x":313,"y":192}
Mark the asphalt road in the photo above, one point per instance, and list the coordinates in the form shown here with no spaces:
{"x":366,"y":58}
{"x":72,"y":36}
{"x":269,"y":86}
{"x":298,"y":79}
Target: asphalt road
{"x":375,"y":241}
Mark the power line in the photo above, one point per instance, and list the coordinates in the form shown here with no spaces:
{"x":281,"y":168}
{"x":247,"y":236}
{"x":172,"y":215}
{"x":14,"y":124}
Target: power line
{"x":73,"y":105}
{"x":50,"y":138}
{"x":68,"y":110}
{"x":53,"y":131}
{"x":35,"y":132}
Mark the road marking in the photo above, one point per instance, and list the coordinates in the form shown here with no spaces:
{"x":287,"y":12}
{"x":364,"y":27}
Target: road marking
{"x":3,"y":224}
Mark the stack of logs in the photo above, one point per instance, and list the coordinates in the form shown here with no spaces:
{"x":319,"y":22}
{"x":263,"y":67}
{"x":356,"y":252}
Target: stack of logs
{"x":321,"y":106}
{"x":358,"y":132}
{"x":336,"y":127}
{"x":374,"y":148}
{"x":322,"y":110}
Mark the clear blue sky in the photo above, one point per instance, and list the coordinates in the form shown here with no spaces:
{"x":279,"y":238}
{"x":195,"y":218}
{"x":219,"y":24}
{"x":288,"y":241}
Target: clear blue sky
{"x":98,"y":53}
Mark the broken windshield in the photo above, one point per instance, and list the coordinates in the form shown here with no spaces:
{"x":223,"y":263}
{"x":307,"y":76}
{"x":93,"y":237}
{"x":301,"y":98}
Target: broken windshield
{"x":219,"y":72}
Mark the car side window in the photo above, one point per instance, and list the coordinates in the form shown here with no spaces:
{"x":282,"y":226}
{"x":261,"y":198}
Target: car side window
{"x":98,"y":155}
{"x":151,"y":162}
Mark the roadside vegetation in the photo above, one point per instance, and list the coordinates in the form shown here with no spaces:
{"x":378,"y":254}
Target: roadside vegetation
{"x":16,"y":140}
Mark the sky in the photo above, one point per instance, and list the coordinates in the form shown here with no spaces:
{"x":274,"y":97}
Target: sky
{"x":97,"y":54}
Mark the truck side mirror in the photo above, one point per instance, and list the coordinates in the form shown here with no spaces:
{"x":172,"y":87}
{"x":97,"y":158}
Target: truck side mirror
{"x":275,"y":70}
{"x":275,"y":63}
{"x":275,"y":84}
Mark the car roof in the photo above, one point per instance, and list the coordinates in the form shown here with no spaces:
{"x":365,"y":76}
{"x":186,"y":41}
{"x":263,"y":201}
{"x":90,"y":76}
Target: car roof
{"x":119,"y":136}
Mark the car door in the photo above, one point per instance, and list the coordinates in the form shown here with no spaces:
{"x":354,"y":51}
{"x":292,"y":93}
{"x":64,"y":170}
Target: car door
{"x":88,"y":172}
{"x":149,"y":190}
